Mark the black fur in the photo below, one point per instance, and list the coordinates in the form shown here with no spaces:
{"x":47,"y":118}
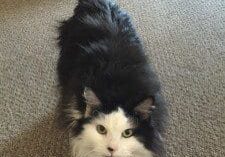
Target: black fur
{"x":101,"y":50}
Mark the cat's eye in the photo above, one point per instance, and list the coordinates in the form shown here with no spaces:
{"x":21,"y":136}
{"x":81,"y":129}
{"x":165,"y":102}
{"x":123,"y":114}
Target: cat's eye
{"x":127,"y":133}
{"x":101,"y":129}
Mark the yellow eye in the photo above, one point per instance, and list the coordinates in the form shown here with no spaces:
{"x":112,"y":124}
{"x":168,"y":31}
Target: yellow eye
{"x":101,"y":129}
{"x":127,"y":133}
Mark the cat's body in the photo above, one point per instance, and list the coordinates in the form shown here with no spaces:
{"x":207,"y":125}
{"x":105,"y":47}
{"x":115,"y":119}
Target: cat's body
{"x":108,"y":88}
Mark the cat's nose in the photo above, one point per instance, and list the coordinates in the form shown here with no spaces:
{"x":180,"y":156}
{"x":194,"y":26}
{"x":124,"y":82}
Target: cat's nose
{"x":110,"y":149}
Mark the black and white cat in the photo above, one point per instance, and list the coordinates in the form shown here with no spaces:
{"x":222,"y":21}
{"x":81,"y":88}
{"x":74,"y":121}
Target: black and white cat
{"x":111,"y":102}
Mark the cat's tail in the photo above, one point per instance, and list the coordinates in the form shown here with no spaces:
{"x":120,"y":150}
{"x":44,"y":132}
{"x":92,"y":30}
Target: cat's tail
{"x":92,"y":7}
{"x":97,"y":4}
{"x":97,"y":1}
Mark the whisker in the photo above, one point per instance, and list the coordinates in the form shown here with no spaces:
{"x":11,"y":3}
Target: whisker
{"x":89,"y":152}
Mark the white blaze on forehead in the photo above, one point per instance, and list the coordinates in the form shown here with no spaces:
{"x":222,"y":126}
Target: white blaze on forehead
{"x":115,"y":121}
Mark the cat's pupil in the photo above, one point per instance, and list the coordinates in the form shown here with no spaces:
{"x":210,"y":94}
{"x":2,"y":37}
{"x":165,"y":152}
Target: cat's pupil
{"x":127,"y":133}
{"x":101,"y":129}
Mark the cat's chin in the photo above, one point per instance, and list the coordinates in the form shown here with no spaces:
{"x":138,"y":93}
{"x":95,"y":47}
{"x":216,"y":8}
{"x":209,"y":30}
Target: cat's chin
{"x":111,"y":156}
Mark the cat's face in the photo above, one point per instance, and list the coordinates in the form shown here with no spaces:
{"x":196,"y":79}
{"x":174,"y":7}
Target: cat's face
{"x":108,"y":135}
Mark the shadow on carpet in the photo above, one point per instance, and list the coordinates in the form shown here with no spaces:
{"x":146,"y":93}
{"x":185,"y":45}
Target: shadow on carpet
{"x":42,"y":140}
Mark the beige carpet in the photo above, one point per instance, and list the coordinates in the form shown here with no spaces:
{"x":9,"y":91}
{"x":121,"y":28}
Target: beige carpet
{"x":185,"y":40}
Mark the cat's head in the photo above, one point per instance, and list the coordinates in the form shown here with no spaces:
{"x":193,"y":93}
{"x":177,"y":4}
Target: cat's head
{"x":117,"y":133}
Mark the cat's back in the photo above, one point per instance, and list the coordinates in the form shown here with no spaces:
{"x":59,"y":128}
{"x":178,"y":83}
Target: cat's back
{"x":99,"y":35}
{"x":100,"y":48}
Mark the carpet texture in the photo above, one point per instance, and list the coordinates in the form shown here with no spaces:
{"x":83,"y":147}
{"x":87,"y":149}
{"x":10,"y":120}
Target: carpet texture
{"x":185,"y":40}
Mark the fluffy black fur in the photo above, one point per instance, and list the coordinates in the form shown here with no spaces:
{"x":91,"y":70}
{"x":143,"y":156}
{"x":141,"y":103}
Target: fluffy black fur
{"x":101,"y":50}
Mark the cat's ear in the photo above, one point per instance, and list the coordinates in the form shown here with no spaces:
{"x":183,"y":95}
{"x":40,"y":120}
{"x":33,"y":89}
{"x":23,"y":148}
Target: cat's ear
{"x":92,"y":101}
{"x":144,"y":108}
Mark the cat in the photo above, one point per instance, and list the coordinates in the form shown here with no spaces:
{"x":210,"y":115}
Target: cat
{"x":111,"y":102}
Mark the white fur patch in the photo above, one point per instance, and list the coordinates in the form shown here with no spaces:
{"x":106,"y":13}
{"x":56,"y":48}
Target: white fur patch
{"x":92,"y":144}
